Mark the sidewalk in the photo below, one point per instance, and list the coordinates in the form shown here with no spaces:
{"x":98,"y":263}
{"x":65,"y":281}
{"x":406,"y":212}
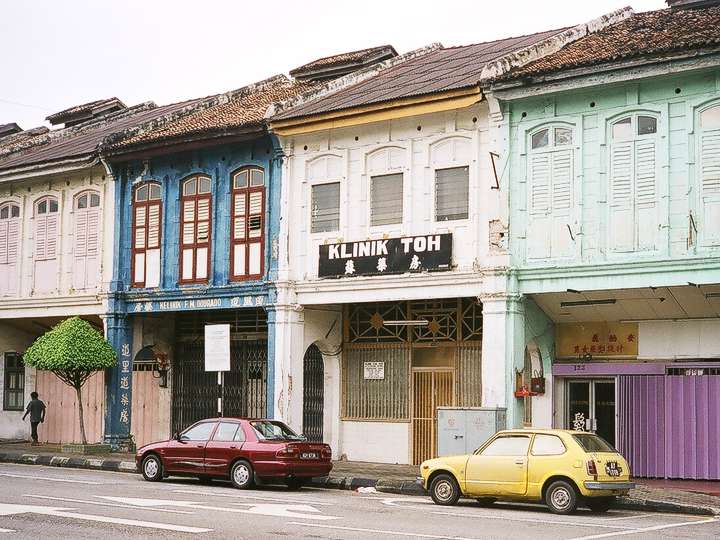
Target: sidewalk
{"x":680,"y":496}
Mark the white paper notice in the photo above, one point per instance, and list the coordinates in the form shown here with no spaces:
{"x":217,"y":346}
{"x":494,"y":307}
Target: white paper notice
{"x":217,"y":347}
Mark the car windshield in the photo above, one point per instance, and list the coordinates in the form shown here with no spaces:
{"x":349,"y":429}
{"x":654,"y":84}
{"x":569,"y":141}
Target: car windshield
{"x":593,"y":443}
{"x":275,"y":431}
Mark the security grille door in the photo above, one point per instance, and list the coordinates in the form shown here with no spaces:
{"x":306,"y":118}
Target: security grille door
{"x":432,"y":388}
{"x":313,"y":394}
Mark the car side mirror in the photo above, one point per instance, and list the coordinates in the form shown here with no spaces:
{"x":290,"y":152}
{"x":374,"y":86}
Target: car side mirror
{"x":176,"y":436}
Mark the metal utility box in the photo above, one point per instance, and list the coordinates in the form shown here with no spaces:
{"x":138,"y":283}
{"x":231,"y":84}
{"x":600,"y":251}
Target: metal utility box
{"x":461,"y":430}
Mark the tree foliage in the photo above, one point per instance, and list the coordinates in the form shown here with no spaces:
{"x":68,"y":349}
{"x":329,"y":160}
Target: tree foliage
{"x":73,"y":350}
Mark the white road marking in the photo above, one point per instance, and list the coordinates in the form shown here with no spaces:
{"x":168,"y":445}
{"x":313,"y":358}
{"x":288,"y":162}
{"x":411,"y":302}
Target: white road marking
{"x":98,"y":503}
{"x":303,"y":511}
{"x":51,"y":479}
{"x":9,"y":509}
{"x":6,"y":530}
{"x":647,"y":529}
{"x":379,"y":531}
{"x":633,"y":516}
{"x":509,"y":517}
{"x":254,"y":497}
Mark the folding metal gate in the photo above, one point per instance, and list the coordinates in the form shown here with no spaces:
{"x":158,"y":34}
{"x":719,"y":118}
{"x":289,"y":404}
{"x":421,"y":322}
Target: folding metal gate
{"x":432,"y":388}
{"x":668,"y":424}
{"x":313,"y":394}
{"x":195,"y":391}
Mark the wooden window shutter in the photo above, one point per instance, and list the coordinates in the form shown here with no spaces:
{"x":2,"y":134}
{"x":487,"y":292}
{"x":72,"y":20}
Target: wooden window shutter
{"x":538,"y":231}
{"x":248,"y":227}
{"x":562,"y":203}
{"x":386,"y":194}
{"x":621,"y":194}
{"x":4,"y":233}
{"x":146,"y":237}
{"x":646,"y":204}
{"x":710,"y":187}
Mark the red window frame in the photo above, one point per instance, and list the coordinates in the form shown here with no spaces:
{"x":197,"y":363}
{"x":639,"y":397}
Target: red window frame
{"x":147,"y":203}
{"x":195,"y":244}
{"x":246,"y":240}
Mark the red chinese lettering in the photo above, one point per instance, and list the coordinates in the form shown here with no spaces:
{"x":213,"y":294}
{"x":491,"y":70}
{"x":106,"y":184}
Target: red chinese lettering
{"x":612,"y":338}
{"x":595,"y":338}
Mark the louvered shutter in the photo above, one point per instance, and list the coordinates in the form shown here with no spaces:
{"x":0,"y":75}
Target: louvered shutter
{"x":538,"y":235}
{"x":255,"y":232}
{"x":621,"y":197}
{"x":152,"y":254}
{"x":239,"y":234}
{"x":387,"y":199}
{"x":9,"y":239}
{"x":4,"y":226}
{"x":51,"y":238}
{"x":40,"y":237}
{"x":646,"y":203}
{"x":710,"y":187}
{"x":562,"y":202}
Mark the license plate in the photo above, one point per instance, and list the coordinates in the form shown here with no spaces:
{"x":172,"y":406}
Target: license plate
{"x":613,"y":469}
{"x":308,"y":455}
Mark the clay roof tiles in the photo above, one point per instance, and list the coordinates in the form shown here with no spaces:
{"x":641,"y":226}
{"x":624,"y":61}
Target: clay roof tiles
{"x":643,"y":34}
{"x":440,"y":70}
{"x":351,"y":57}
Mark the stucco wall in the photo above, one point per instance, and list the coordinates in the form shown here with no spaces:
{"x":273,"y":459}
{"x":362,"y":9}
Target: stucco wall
{"x":11,"y":424}
{"x":381,"y":442}
{"x":679,"y":340}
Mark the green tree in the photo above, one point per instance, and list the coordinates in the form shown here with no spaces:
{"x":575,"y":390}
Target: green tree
{"x":73,"y":350}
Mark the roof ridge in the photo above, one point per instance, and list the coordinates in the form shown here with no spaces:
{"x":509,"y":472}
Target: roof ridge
{"x":338,"y":54}
{"x":356,"y":77}
{"x":552,"y":44}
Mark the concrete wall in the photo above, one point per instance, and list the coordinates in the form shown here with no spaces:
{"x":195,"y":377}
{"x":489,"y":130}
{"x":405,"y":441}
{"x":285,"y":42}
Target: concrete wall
{"x":11,"y":424}
{"x":381,"y":442}
{"x":679,"y":340}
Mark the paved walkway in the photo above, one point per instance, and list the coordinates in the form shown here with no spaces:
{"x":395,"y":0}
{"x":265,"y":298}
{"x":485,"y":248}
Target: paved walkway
{"x":695,"y":497}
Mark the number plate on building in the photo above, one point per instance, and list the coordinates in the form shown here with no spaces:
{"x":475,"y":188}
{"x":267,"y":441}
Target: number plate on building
{"x":613,"y":469}
{"x":308,"y":455}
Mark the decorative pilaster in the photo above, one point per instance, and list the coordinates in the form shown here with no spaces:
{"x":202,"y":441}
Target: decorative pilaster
{"x":118,"y":383}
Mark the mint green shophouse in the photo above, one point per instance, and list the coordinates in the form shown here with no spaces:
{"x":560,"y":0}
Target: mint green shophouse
{"x":613,"y":167}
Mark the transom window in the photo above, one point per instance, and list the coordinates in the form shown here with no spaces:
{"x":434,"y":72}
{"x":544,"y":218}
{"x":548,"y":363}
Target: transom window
{"x":46,"y":205}
{"x":9,"y":211}
{"x":632,"y":126}
{"x":87,"y":200}
{"x":325,"y":204}
{"x":248,"y":224}
{"x":195,"y":230}
{"x":558,"y":136}
{"x":147,"y":232}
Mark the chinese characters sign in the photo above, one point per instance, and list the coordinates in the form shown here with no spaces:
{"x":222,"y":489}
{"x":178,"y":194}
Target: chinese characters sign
{"x":386,"y":256}
{"x":599,"y":339}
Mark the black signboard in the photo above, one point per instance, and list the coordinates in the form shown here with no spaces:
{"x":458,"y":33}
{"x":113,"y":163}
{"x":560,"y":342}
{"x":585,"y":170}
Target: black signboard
{"x":388,"y":256}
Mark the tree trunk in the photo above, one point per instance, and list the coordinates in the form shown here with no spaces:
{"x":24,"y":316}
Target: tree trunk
{"x":78,"y":389}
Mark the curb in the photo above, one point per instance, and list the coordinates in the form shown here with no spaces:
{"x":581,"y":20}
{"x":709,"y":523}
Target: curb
{"x":350,"y":483}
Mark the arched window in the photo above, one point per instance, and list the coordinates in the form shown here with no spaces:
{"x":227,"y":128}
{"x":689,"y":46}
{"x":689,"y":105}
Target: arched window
{"x":633,"y":192}
{"x":9,"y":248}
{"x":195,"y":229}
{"x":248,"y":224}
{"x":46,"y":244}
{"x":550,"y":192}
{"x":146,"y":234}
{"x":86,"y":240}
{"x":709,"y":180}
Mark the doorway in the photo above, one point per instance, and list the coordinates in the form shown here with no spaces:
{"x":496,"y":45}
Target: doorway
{"x":432,"y":388}
{"x":313,"y":394}
{"x":591,"y":407}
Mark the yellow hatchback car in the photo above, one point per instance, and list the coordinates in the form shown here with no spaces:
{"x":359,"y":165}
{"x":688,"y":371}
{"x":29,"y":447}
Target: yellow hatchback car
{"x":562,"y":468}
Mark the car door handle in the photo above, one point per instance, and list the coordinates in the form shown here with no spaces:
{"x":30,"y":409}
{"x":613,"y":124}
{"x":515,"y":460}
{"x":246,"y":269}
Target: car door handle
{"x":519,"y":461}
{"x":200,"y":445}
{"x":458,"y":436}
{"x":233,"y":447}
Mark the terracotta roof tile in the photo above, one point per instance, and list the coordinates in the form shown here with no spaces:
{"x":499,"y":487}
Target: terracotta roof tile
{"x":88,"y":109}
{"x":353,"y":57}
{"x":437,"y":71}
{"x":643,"y":34}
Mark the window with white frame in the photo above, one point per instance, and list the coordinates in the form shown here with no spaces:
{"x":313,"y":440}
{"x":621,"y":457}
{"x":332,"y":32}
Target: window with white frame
{"x":550,"y":192}
{"x":633,"y":189}
{"x":709,"y":180}
{"x":86,"y":240}
{"x":146,"y":236}
{"x":452,"y":193}
{"x":386,"y":199}
{"x":196,"y":222}
{"x":9,"y":248}
{"x":325,"y":207}
{"x":46,"y":231}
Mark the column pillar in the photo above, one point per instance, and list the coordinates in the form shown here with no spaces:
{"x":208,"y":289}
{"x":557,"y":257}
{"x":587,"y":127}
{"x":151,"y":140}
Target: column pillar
{"x":118,"y":382}
{"x":502,"y":353}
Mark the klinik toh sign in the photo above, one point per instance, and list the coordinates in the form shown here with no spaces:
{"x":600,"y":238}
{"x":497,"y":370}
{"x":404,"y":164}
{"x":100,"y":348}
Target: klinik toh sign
{"x":431,"y":252}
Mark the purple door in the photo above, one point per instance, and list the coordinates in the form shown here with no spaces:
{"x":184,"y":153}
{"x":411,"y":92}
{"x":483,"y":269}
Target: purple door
{"x":669,"y":425}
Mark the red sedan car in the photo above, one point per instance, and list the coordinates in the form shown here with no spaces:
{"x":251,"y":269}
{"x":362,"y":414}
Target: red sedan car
{"x":243,"y":450}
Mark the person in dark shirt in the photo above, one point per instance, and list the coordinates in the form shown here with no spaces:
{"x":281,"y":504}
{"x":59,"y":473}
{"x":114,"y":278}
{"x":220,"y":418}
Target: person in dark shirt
{"x":36,"y":410}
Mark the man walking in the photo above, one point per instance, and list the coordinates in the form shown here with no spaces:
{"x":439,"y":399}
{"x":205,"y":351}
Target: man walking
{"x":36,"y":410}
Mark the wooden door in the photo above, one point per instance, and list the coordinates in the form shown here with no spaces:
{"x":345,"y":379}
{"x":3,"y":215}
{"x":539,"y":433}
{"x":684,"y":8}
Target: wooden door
{"x":432,"y":388}
{"x":145,"y":421}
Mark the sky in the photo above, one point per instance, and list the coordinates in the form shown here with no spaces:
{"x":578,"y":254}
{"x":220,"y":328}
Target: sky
{"x":61,"y":53}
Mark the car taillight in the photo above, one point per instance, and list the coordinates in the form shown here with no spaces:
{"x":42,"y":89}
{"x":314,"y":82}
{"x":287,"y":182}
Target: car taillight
{"x":289,"y":451}
{"x":591,"y":468}
{"x":327,"y":452}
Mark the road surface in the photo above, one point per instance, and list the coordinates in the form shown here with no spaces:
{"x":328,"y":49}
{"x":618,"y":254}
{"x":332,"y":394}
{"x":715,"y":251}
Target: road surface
{"x":50,"y":503}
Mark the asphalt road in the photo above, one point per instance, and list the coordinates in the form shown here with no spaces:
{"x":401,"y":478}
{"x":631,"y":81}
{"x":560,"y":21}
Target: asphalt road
{"x":51,"y":503}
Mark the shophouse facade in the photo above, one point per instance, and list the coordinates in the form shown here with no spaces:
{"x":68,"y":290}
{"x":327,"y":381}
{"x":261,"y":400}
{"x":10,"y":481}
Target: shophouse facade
{"x":56,"y":229}
{"x":615,"y":237}
{"x":394,"y":278}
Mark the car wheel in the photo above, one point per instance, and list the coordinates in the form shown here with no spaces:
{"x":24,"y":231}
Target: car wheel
{"x":242,"y":475}
{"x":485,"y":501}
{"x":561,"y":498}
{"x":444,"y":490}
{"x":152,"y":469}
{"x":295,"y":483}
{"x":600,"y":504}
